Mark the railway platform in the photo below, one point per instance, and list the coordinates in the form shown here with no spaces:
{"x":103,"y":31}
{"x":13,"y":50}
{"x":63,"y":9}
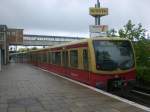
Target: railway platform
{"x":25,"y":88}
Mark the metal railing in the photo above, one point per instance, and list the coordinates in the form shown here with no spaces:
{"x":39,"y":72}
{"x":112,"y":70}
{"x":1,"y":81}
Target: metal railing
{"x":47,"y":40}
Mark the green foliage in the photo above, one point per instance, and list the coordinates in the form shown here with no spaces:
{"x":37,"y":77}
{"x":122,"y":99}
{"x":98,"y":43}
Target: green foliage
{"x":142,"y":49}
{"x":136,"y":33}
{"x":27,"y":49}
{"x":23,"y":49}
{"x":143,"y":74}
{"x":111,"y":33}
{"x":132,"y":32}
{"x":34,"y":48}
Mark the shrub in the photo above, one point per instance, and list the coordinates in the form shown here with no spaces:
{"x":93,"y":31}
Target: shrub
{"x":143,"y":73}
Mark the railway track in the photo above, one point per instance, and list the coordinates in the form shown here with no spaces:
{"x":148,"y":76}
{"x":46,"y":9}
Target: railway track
{"x":139,"y":95}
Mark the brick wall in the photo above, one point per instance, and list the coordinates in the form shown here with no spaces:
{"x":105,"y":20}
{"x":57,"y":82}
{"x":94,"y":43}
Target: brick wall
{"x":15,"y":36}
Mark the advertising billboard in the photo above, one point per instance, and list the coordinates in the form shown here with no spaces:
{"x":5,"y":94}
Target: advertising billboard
{"x":98,"y":28}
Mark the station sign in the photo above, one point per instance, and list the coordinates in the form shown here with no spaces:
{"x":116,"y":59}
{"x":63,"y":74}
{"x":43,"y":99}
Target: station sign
{"x":98,"y":28}
{"x":98,"y":11}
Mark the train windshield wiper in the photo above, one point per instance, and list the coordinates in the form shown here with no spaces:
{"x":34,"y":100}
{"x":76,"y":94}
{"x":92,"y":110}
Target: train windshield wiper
{"x":125,"y":64}
{"x":108,"y":65}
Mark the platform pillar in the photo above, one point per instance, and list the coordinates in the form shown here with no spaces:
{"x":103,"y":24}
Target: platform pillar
{"x":0,"y":60}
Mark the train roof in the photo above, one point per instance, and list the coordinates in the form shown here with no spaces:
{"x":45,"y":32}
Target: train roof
{"x":80,"y":41}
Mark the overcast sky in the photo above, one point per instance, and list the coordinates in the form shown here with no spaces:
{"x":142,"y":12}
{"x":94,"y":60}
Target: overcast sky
{"x":70,"y":17}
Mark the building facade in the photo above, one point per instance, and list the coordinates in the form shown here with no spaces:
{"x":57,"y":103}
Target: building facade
{"x":15,"y":36}
{"x":9,"y":36}
{"x":3,"y":44}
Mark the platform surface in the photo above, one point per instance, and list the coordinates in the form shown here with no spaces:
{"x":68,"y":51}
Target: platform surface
{"x":25,"y":88}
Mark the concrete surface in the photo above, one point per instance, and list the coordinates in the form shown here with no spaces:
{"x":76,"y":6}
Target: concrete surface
{"x":24,"y":88}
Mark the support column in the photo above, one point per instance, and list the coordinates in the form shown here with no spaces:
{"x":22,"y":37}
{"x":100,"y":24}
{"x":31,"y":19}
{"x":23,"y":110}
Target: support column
{"x":98,"y":17}
{"x":0,"y":60}
{"x":5,"y":48}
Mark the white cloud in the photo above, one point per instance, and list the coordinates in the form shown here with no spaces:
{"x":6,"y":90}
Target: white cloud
{"x":69,"y":17}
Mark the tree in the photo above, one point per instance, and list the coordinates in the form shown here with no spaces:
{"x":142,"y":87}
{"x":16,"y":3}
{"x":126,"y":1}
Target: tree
{"x":27,"y":49}
{"x":34,"y":48}
{"x":137,"y":35}
{"x":132,"y":32}
{"x":23,"y":49}
{"x":111,"y":33}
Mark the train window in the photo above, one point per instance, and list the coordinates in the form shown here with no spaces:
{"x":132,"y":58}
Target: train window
{"x":44,"y":58}
{"x":74,"y":58}
{"x":53,"y":58}
{"x":56,"y":58}
{"x":49,"y":57}
{"x":85,"y":59}
{"x":30,"y":57}
{"x":35,"y":58}
{"x":65,"y":58}
{"x":111,"y":55}
{"x":40,"y":58}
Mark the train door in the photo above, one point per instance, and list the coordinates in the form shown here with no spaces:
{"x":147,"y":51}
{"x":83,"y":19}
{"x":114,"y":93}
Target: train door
{"x":2,"y":56}
{"x":86,"y":64}
{"x":65,"y":62}
{"x":36,"y":59}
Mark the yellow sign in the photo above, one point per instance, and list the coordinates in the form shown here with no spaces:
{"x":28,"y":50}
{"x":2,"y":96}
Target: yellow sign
{"x":98,"y":11}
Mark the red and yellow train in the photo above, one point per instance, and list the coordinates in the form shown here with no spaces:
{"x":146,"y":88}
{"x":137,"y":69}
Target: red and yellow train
{"x":106,"y":63}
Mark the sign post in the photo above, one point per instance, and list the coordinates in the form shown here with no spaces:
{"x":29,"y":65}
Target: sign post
{"x":98,"y":30}
{"x":97,"y":12}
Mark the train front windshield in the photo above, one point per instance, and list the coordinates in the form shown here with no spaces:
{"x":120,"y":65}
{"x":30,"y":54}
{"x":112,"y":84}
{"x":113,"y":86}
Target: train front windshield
{"x":113,"y":55}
